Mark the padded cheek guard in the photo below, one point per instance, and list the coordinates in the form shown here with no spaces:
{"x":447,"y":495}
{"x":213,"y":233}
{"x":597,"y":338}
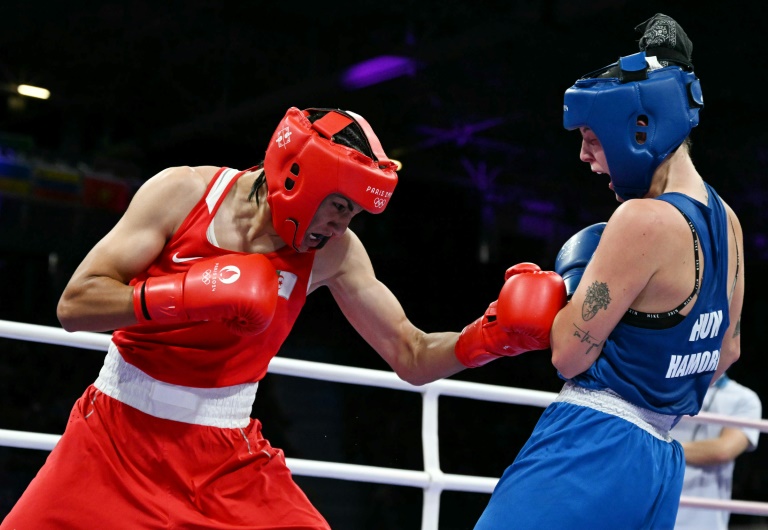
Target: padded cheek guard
{"x":303,"y":166}
{"x":668,"y":99}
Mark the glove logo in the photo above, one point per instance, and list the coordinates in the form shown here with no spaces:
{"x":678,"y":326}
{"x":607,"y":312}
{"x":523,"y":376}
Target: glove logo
{"x":284,"y":137}
{"x":206,"y":277}
{"x":378,"y":202}
{"x":229,"y":274}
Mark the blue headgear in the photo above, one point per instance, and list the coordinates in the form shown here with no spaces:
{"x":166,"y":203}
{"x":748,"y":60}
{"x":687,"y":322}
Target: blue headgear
{"x":611,"y":100}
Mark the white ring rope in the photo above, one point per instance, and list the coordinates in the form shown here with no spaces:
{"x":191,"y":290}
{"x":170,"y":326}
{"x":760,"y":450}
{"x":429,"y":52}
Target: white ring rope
{"x":432,"y":480}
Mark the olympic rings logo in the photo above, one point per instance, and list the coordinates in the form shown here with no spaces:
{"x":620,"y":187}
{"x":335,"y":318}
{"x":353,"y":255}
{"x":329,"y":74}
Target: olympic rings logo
{"x":206,"y":278}
{"x":378,"y":202}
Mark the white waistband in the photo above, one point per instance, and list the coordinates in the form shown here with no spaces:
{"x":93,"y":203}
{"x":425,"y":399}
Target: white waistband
{"x":610,"y":402}
{"x":226,"y":407}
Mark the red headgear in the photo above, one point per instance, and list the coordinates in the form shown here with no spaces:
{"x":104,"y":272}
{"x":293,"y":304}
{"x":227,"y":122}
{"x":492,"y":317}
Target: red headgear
{"x":303,"y":166}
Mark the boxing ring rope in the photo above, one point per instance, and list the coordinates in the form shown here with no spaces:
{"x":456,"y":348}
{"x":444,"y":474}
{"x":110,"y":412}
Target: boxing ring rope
{"x":431,"y":479}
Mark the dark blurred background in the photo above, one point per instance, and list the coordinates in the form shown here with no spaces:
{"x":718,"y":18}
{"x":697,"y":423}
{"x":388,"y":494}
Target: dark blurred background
{"x":467,"y":95}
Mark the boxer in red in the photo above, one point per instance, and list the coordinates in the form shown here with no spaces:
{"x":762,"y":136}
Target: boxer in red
{"x":202,"y":280}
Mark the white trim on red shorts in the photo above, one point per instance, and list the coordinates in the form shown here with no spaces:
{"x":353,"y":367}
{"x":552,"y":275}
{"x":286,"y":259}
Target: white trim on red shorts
{"x":226,"y":407}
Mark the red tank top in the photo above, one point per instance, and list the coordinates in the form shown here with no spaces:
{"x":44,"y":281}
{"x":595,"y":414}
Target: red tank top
{"x":206,"y":354}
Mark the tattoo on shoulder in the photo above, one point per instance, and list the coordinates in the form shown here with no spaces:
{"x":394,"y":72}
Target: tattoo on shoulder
{"x":598,"y":297}
{"x":737,"y":331}
{"x":584,"y":336}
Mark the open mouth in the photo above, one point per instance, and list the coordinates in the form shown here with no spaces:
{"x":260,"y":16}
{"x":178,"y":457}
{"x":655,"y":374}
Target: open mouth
{"x":319,"y":238}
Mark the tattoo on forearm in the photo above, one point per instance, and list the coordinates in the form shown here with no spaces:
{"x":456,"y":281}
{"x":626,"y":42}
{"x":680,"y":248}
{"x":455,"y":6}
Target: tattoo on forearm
{"x":598,"y":297}
{"x":589,"y":339}
{"x":737,"y":331}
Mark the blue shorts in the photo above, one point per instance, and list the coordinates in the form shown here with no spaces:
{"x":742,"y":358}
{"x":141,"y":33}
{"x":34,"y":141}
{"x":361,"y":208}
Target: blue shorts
{"x":582,"y":468}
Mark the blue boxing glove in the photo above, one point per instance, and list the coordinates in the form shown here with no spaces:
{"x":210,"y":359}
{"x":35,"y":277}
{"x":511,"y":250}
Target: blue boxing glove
{"x":576,"y":254}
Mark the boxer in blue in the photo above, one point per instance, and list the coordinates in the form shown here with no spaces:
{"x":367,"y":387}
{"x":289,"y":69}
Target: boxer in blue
{"x":654,"y":315}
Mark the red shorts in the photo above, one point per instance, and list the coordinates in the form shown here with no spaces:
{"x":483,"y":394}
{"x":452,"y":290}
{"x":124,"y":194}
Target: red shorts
{"x":119,"y":468}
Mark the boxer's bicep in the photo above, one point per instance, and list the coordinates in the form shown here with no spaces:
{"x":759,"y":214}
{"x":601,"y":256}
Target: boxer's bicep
{"x":368,"y":304}
{"x":97,"y":295}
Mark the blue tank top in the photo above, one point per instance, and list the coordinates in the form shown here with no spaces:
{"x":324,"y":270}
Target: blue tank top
{"x":669,"y":370}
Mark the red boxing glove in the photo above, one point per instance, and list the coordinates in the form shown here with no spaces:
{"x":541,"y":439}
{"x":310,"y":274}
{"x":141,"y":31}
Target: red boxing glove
{"x":239,"y":290}
{"x":520,"y":268}
{"x":519,"y":321}
{"x":529,"y":302}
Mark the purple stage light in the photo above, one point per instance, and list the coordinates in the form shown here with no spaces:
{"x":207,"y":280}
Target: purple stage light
{"x":377,"y":70}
